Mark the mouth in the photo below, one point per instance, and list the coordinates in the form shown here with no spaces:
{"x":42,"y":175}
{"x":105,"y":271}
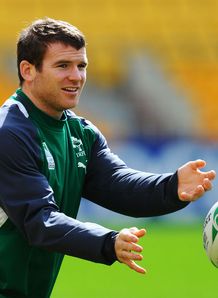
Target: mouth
{"x":71,"y":90}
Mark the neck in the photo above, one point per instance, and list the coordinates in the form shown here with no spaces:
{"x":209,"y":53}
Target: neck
{"x":40,"y":104}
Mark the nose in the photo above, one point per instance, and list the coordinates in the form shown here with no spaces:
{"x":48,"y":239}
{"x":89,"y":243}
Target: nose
{"x":75,"y":74}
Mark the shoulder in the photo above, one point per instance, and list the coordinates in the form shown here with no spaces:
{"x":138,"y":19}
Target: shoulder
{"x":71,"y":116}
{"x":13,"y":115}
{"x":15,"y":126}
{"x":83,"y":124}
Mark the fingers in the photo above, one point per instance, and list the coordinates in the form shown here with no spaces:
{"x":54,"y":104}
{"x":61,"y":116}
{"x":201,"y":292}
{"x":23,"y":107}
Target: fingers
{"x":132,"y":234}
{"x":197,"y":164}
{"x":129,"y":255}
{"x":132,"y":265}
{"x":128,"y":246}
{"x":210,"y":175}
{"x":140,"y":233}
{"x":194,"y":195}
{"x":197,"y":192}
{"x":193,"y":182}
{"x":127,"y":249}
{"x":207,"y":185}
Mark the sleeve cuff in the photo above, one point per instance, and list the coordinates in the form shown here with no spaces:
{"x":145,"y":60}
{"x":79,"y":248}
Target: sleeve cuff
{"x":108,"y":250}
{"x":173,"y":185}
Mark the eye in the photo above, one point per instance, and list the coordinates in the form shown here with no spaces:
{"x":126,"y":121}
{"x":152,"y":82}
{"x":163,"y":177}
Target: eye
{"x":63,"y":65}
{"x":82,"y":66}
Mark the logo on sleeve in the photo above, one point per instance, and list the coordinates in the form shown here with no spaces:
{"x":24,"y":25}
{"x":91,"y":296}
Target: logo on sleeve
{"x":49,"y":157}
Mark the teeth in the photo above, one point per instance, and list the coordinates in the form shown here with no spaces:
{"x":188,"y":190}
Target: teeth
{"x":72,"y":89}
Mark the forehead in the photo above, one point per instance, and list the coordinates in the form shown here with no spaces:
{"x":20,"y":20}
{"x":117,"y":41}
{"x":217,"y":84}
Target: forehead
{"x":59,"y":51}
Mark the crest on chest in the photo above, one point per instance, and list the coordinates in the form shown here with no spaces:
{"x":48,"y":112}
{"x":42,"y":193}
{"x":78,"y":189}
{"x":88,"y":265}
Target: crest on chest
{"x":79,"y":152}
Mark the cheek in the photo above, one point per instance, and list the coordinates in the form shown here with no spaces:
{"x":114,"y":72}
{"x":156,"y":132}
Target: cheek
{"x":84,"y":78}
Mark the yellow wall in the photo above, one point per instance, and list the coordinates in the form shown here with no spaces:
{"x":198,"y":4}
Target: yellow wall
{"x":181,"y":34}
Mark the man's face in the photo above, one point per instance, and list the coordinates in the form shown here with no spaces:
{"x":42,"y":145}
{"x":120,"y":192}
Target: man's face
{"x":59,"y":83}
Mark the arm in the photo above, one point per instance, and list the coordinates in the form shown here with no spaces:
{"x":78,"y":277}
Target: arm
{"x":28,"y":201}
{"x":111,"y":184}
{"x":192,"y":184}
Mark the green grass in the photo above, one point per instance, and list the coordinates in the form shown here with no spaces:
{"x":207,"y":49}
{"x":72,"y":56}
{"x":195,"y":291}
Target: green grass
{"x":174,"y":257}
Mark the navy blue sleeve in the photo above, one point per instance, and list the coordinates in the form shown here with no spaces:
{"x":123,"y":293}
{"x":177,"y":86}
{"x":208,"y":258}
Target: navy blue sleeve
{"x":111,"y":184}
{"x":28,"y":201}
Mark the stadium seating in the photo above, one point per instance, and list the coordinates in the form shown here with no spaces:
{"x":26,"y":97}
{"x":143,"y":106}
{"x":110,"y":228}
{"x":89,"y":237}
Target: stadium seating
{"x":180,"y":34}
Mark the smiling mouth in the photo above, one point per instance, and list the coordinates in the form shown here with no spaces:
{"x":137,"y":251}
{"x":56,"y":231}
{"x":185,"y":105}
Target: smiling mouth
{"x":71,"y":89}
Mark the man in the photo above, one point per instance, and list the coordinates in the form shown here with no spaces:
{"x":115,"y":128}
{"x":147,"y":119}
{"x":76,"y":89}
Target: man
{"x":49,"y":158}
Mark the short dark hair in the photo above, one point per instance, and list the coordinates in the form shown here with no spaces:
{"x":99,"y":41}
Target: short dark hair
{"x":34,"y":40}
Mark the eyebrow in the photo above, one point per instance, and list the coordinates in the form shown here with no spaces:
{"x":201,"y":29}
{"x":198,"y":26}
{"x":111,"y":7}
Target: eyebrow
{"x":85,"y":62}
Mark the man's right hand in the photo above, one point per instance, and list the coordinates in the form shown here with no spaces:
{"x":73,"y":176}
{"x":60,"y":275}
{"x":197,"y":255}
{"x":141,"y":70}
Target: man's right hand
{"x":127,"y":250}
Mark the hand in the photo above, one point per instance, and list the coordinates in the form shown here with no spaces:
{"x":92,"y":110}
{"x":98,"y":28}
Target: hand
{"x":192,"y":183}
{"x":125,"y":246}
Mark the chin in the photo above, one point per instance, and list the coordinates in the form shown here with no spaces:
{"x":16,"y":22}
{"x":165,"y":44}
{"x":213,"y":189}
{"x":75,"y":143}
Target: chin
{"x":72,"y":105}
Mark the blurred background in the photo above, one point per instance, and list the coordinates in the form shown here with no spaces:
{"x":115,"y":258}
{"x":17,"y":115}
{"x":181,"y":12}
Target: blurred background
{"x":152,"y":76}
{"x":152,"y":82}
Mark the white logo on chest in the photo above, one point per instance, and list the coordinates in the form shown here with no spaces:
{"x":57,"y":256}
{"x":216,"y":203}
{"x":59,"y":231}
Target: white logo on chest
{"x":81,"y":165}
{"x":78,"y":146}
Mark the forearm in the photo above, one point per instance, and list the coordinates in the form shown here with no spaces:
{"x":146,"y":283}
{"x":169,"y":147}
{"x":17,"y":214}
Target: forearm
{"x":47,"y":228}
{"x":135,"y":193}
{"x":69,"y":236}
{"x":113,"y":185}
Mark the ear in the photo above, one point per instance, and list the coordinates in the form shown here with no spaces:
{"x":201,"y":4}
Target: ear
{"x":27,"y":70}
